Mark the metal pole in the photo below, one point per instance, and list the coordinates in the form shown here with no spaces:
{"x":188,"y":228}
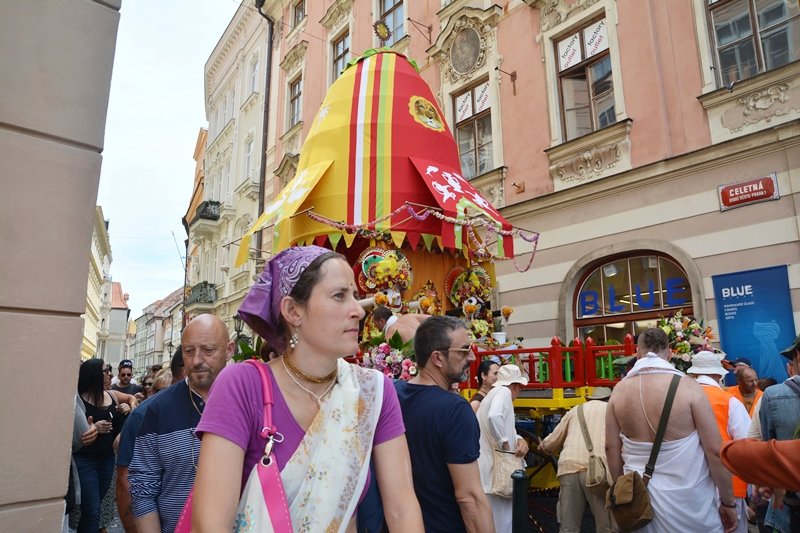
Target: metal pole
{"x":519,"y":502}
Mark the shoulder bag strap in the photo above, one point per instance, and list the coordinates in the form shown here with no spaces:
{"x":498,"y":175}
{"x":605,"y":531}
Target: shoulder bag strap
{"x":662,"y":428}
{"x":268,"y":431}
{"x":585,"y":430}
{"x":792,"y":384}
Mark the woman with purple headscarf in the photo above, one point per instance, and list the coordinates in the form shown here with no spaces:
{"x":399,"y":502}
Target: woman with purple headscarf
{"x":334,"y":416}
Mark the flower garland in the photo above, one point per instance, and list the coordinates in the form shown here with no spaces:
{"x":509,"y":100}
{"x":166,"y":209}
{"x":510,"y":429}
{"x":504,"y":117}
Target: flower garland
{"x":366,"y":230}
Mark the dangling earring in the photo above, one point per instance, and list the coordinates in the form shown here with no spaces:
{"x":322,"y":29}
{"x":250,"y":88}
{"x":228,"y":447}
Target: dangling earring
{"x":294,"y":340}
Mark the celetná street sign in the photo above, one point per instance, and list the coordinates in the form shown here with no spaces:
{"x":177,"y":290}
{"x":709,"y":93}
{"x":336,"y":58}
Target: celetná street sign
{"x":748,"y":192}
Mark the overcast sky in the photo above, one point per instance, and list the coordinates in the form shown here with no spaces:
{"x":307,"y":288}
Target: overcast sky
{"x":156,"y":109}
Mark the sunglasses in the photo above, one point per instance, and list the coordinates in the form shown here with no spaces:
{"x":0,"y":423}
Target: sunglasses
{"x":148,"y":384}
{"x":461,"y":350}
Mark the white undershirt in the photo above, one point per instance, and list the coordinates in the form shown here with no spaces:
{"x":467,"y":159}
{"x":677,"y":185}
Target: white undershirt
{"x":389,"y":323}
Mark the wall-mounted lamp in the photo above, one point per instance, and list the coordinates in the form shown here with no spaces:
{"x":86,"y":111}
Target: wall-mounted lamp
{"x":513,"y":76}
{"x":520,"y":186}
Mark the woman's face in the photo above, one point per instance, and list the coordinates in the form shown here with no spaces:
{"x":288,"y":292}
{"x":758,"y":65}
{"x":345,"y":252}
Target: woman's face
{"x":106,"y":377}
{"x":490,"y":377}
{"x":329,"y":320}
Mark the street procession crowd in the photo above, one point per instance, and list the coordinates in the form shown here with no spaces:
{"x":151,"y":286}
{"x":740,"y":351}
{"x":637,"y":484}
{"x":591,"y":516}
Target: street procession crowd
{"x":307,"y":441}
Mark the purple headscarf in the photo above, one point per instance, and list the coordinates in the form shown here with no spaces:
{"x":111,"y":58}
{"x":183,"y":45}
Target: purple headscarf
{"x":261,"y":306}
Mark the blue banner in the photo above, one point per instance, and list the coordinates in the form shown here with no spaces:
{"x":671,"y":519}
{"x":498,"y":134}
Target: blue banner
{"x":754,"y":313}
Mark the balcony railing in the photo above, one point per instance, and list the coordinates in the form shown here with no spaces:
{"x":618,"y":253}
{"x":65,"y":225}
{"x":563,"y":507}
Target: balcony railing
{"x":208,"y":210}
{"x":202,"y":293}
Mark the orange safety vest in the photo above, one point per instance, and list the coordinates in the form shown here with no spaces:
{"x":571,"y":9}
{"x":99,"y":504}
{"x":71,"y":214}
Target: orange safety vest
{"x":720,"y":401}
{"x":736,"y":393}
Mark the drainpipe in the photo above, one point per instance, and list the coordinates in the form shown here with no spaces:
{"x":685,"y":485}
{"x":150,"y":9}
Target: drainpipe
{"x":262,"y":177}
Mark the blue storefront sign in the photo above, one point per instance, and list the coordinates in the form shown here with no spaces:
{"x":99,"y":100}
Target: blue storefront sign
{"x":754,"y":313}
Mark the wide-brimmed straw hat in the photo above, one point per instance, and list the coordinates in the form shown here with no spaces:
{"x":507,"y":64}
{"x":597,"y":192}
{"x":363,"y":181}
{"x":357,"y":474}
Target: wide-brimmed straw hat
{"x":706,"y":363}
{"x":509,"y":374}
{"x":599,"y":393}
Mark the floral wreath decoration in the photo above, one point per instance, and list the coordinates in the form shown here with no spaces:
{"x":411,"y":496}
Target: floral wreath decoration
{"x":464,"y":283}
{"x":687,"y":336}
{"x":428,"y":299}
{"x":383,"y":269}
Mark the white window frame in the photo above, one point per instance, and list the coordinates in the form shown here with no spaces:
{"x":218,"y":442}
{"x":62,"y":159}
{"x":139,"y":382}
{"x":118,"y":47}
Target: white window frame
{"x":247,"y":160}
{"x":335,"y":58}
{"x":602,"y":9}
{"x":292,"y":118}
{"x":399,"y":4}
{"x":254,"y":73}
{"x":299,"y":12}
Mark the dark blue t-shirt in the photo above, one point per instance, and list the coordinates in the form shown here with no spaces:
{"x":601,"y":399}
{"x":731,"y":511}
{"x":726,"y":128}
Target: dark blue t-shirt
{"x":441,"y":429}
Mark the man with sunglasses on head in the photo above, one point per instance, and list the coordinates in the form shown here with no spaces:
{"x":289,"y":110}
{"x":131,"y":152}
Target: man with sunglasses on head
{"x":442,"y":431}
{"x":125,"y":375}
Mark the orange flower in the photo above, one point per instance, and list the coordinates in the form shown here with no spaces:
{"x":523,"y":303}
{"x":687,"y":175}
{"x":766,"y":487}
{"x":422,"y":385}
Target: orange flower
{"x":381,"y":299}
{"x":470,"y":308}
{"x":506,"y":311}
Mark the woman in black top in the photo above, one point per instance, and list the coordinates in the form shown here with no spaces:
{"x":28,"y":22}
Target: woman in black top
{"x":487,"y":375}
{"x":96,"y":462}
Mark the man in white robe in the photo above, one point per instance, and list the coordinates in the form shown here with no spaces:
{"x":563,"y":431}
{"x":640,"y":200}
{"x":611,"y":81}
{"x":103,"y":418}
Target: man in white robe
{"x":688,"y":468}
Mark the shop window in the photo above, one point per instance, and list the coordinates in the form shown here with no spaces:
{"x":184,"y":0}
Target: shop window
{"x":392,"y":14}
{"x":341,"y":53}
{"x":752,"y":36}
{"x":628,"y":295}
{"x":295,"y":100}
{"x":474,"y":130}
{"x":585,"y":81}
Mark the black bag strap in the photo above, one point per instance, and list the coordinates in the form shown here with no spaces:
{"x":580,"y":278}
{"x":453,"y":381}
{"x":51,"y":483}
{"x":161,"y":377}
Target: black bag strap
{"x":585,"y":430}
{"x":662,"y":428}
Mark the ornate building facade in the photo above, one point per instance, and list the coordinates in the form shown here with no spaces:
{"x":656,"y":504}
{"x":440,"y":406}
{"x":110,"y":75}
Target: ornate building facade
{"x":229,"y":189}
{"x":610,"y":136}
{"x":98,"y":297}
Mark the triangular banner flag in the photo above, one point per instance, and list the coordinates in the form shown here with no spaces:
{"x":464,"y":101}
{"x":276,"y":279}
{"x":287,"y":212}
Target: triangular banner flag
{"x":427,"y":238}
{"x":334,"y":238}
{"x":349,"y":238}
{"x":413,"y":239}
{"x":398,"y":237}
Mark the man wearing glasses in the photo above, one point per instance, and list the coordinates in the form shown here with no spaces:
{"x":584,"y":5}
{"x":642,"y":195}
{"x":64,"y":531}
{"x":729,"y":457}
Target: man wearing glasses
{"x":442,"y":431}
{"x":125,"y":376}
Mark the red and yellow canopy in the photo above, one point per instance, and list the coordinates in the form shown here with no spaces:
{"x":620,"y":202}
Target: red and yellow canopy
{"x":379,"y":157}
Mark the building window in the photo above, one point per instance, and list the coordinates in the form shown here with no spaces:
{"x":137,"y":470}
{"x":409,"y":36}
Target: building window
{"x":341,"y":53}
{"x":585,"y":82}
{"x":753,"y":36}
{"x":474,"y":130}
{"x":254,"y":75}
{"x":628,"y":295}
{"x":392,"y":15}
{"x":248,"y":158}
{"x":298,"y":12}
{"x":295,"y":95}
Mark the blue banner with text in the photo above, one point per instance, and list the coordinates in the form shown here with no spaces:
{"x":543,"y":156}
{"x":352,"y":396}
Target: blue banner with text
{"x":754,"y":313}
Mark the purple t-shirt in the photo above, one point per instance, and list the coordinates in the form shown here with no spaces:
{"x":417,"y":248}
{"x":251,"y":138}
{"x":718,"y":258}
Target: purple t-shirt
{"x":235,"y":412}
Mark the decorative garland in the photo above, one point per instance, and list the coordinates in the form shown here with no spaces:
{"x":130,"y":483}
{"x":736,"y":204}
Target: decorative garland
{"x":481,"y":251}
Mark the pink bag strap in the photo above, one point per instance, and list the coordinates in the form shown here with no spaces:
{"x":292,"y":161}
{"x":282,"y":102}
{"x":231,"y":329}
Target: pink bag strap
{"x":268,"y":431}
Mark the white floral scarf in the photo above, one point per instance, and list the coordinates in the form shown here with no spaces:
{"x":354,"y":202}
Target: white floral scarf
{"x":326,"y":475}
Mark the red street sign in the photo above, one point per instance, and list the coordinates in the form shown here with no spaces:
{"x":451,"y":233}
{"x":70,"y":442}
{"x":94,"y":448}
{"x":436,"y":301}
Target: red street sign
{"x":748,"y":192}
